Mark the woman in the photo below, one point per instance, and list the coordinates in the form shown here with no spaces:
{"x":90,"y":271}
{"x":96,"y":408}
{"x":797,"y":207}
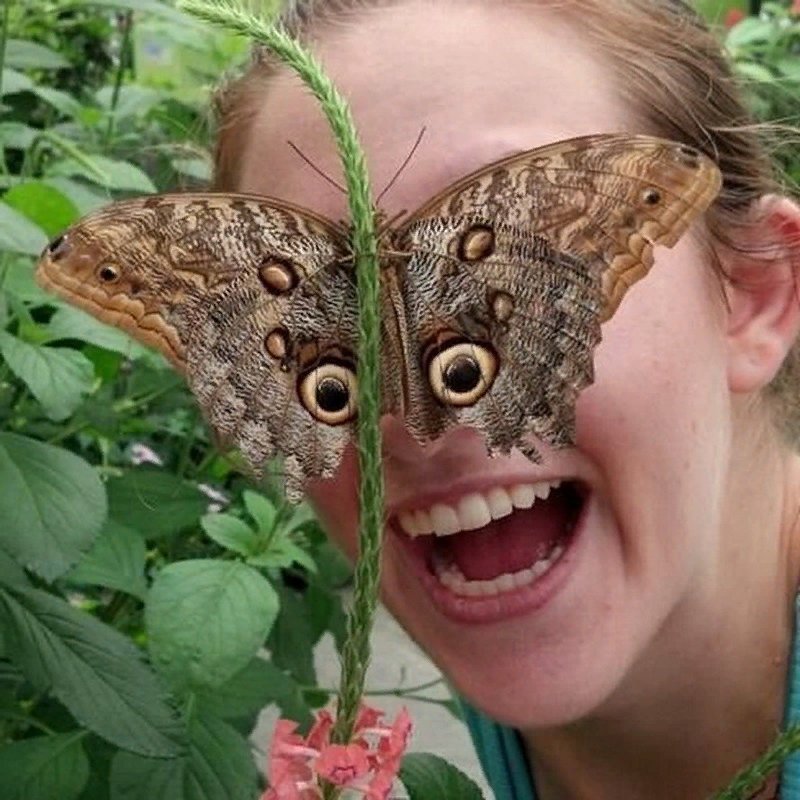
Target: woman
{"x":650,"y":658}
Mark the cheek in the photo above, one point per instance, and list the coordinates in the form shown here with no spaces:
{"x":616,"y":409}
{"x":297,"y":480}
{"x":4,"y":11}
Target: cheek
{"x":336,"y":503}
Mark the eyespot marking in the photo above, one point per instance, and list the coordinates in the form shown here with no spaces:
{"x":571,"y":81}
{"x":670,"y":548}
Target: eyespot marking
{"x":108,"y":273}
{"x":476,"y":244}
{"x":502,"y":306}
{"x":278,"y":277}
{"x":276,"y":343}
{"x":328,"y":392}
{"x":651,"y":196}
{"x":461,"y":373}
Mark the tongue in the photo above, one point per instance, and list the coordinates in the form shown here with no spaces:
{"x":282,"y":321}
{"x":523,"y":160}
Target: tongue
{"x":510,"y":544}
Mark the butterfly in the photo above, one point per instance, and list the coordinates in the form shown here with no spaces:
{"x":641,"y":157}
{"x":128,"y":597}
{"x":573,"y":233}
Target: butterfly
{"x":492,"y":296}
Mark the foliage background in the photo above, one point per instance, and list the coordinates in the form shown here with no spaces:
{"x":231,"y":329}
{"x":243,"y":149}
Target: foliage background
{"x":142,"y":575}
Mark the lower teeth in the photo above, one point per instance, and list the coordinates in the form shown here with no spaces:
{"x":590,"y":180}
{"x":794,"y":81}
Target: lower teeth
{"x":451,"y":576}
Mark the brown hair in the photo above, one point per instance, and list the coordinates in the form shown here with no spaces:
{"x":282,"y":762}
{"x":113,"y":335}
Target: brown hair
{"x":669,"y":66}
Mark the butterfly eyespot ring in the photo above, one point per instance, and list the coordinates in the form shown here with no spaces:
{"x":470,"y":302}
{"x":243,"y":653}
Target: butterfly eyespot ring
{"x":108,"y":273}
{"x":328,"y":392}
{"x":459,"y":375}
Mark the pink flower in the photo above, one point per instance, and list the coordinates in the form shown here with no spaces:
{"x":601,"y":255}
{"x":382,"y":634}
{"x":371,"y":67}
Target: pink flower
{"x":734,"y":17}
{"x":368,"y":764}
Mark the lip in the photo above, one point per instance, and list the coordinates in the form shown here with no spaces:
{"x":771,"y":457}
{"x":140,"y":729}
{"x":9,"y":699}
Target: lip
{"x":506,"y":605}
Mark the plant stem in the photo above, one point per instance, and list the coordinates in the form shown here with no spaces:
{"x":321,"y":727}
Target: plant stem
{"x":751,"y":777}
{"x":119,"y":75}
{"x":355,"y":656}
{"x":3,"y":39}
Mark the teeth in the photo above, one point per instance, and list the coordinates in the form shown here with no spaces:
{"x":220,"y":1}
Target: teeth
{"x":450,"y":575}
{"x":474,"y":510}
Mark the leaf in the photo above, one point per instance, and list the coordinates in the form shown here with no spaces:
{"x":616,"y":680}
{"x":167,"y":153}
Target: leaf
{"x":261,"y":510}
{"x":206,"y":619}
{"x":62,"y":102}
{"x":425,"y":776}
{"x":197,"y":168}
{"x":52,"y":505}
{"x":96,"y":672}
{"x":42,"y":204}
{"x":17,"y":135}
{"x":217,"y":766}
{"x":103,"y":171}
{"x":44,"y":768}
{"x":58,"y":377}
{"x":20,"y":282}
{"x":83,"y":197}
{"x":22,"y":54}
{"x":18,"y":234}
{"x":292,"y":639}
{"x":154,"y":502}
{"x":281,"y":554}
{"x":132,"y":100}
{"x":258,"y":685}
{"x":116,"y":561}
{"x":72,"y":323}
{"x":230,"y":532}
{"x":14,"y":81}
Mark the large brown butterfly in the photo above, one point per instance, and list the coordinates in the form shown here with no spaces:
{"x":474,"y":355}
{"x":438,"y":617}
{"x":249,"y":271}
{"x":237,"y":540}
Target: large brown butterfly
{"x":492,"y":296}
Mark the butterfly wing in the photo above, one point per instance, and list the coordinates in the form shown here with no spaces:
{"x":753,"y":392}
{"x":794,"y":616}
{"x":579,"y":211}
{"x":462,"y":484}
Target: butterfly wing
{"x":250,"y":297}
{"x":512,"y":270}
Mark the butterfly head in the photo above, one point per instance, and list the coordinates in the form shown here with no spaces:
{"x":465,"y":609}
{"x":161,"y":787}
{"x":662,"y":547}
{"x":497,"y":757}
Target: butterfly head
{"x":84,"y":270}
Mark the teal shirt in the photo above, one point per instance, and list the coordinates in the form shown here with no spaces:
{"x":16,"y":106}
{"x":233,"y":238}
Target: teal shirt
{"x":503,"y":759}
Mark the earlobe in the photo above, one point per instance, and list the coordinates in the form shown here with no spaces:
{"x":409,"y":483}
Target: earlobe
{"x":763,"y":295}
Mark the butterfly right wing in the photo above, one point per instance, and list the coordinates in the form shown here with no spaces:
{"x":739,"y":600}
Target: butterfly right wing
{"x":252,"y":298}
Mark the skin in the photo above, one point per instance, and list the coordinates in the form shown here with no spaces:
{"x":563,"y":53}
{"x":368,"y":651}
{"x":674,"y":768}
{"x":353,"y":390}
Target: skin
{"x":658,"y":670}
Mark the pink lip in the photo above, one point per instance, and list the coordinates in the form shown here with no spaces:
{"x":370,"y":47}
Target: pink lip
{"x":484,"y":610}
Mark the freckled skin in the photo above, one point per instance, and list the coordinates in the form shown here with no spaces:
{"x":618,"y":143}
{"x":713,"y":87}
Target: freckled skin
{"x":651,"y":673}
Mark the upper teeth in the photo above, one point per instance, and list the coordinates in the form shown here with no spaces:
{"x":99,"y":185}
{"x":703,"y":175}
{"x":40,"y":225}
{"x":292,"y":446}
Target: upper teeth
{"x":474,"y":510}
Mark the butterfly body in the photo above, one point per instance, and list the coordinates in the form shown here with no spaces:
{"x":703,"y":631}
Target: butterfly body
{"x":492,"y":296}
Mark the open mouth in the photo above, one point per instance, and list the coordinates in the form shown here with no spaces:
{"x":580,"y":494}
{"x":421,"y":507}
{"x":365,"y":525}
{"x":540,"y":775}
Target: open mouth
{"x":498,"y":541}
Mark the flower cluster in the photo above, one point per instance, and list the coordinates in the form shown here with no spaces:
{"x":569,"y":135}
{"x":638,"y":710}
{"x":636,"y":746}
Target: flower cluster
{"x":368,"y":764}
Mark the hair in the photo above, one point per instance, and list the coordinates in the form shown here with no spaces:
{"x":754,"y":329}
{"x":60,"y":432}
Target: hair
{"x":669,"y":67}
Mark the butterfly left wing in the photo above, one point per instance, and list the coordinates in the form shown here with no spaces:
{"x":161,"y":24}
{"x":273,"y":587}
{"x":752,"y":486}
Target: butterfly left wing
{"x":248,"y":296}
{"x":512,"y":270}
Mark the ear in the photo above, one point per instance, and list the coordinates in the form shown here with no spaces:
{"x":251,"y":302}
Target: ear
{"x":763,"y":294}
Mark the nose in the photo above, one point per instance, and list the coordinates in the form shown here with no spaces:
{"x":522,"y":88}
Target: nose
{"x":445,"y":452}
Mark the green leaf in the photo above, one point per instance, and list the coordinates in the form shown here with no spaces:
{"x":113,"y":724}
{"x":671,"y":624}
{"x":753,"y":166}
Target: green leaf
{"x":17,"y":135}
{"x":72,"y":323}
{"x":292,"y":639}
{"x":258,"y":685}
{"x":197,"y":168}
{"x":116,"y":561}
{"x":96,"y":672}
{"x":425,"y":776}
{"x":58,"y":377}
{"x":23,"y":54}
{"x":52,"y":505}
{"x":132,"y":100}
{"x":103,"y":171}
{"x":42,"y":204}
{"x":748,"y":32}
{"x":44,"y":768}
{"x":261,"y":510}
{"x":217,"y":766}
{"x":19,"y":281}
{"x":206,"y":619}
{"x":84,"y":198}
{"x":14,"y":81}
{"x":154,"y":502}
{"x":62,"y":102}
{"x":18,"y":234}
{"x":230,"y":532}
{"x":282,"y":553}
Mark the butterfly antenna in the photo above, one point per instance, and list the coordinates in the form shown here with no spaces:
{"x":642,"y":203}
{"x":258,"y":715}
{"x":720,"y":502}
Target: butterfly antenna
{"x":316,"y":169}
{"x":402,"y":166}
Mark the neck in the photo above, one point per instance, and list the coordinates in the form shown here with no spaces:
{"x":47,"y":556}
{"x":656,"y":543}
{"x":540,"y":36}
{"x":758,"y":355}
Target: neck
{"x":706,"y":697}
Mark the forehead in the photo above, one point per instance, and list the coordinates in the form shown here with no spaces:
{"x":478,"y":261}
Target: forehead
{"x":484,"y":79}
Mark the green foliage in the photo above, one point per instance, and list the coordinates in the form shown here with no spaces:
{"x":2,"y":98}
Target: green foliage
{"x":425,"y":775}
{"x":141,"y":580}
{"x":765,"y":51}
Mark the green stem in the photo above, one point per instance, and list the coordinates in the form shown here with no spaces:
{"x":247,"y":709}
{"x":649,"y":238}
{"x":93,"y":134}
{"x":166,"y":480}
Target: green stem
{"x":3,"y":39}
{"x":26,"y":720}
{"x":122,"y":65}
{"x":753,"y":776}
{"x":355,"y":656}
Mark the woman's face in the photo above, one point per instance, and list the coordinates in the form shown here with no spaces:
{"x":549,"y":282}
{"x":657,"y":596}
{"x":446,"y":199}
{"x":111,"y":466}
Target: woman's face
{"x":486,"y":81}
